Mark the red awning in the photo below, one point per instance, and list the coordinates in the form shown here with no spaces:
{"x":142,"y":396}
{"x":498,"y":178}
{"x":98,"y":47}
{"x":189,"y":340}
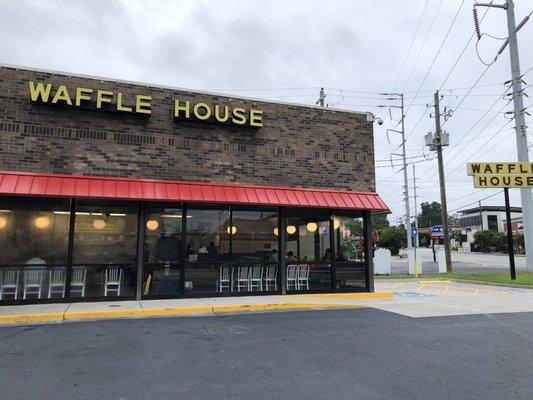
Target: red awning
{"x":96,"y":187}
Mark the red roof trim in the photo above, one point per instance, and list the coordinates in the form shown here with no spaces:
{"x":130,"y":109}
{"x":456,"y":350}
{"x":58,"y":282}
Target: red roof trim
{"x":57,"y":185}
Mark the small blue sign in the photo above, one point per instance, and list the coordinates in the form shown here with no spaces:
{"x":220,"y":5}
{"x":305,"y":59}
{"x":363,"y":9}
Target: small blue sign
{"x":414,"y":231}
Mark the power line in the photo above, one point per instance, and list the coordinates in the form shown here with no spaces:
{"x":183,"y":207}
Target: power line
{"x":411,"y":45}
{"x":478,"y":201}
{"x":423,"y":44}
{"x":462,"y":52}
{"x":440,"y":48}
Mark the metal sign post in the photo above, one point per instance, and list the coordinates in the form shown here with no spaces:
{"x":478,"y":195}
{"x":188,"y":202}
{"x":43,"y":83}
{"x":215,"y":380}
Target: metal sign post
{"x":510,"y":245}
{"x":504,"y":175}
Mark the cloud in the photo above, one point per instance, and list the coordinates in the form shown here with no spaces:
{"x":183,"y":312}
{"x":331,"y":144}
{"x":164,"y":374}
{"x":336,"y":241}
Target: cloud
{"x":239,"y":45}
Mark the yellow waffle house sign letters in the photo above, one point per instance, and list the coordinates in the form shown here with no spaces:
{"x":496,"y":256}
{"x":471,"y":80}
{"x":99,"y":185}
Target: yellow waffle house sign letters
{"x":141,"y":104}
{"x":501,"y":175}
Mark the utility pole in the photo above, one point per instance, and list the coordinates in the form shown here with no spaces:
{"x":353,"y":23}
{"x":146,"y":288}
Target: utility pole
{"x":436,"y":143}
{"x":416,"y":244}
{"x":406,"y":184}
{"x":404,"y":158}
{"x":519,"y":118}
{"x":321,"y":98}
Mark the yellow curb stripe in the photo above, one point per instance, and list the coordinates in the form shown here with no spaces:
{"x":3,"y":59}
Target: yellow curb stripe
{"x":31,"y":318}
{"x":160,"y":311}
{"x":360,"y":296}
{"x":433,"y":282}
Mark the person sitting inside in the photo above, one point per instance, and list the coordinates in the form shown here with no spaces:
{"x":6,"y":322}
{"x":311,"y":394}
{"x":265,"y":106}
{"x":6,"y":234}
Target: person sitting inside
{"x":327,"y":255}
{"x":273,"y":256}
{"x":212,"y":252}
{"x":291,"y":256}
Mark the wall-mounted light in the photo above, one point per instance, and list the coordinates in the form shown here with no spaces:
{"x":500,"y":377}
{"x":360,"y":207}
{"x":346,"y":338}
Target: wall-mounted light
{"x":152,"y":224}
{"x":3,"y":222}
{"x":312,"y":226}
{"x":336,"y":223}
{"x":99,"y":223}
{"x":232,"y":230}
{"x":42,"y":222}
{"x":276,"y":231}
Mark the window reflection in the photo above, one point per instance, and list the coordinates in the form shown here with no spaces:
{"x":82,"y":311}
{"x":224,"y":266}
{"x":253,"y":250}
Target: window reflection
{"x":105,"y":239}
{"x":309,"y":251}
{"x":208,"y":235}
{"x":349,"y":252}
{"x":253,"y":238}
{"x":34,"y":243}
{"x":33,"y":231}
{"x":162,"y":251}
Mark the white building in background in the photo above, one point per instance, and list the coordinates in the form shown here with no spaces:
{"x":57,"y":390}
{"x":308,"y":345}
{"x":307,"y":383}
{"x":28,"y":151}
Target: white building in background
{"x":484,"y":218}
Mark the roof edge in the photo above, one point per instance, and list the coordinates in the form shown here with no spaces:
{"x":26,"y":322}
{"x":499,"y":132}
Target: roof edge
{"x":156,"y":86}
{"x":198,"y":183}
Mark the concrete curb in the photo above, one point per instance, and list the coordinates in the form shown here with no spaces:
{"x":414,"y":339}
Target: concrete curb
{"x":447,"y":280}
{"x":208,"y":309}
{"x":512,"y":285}
{"x":358,"y":296}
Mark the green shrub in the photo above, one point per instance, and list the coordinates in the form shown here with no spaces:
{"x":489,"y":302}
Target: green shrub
{"x":393,"y":238}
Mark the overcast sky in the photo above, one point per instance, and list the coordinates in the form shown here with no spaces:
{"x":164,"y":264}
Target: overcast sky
{"x":285,"y":50}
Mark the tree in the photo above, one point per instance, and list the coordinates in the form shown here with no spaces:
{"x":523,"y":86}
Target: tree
{"x":430,"y":215}
{"x":356,"y":226}
{"x":485,"y":240}
{"x":380,"y":221}
{"x":393,"y":238}
{"x":518,"y":240}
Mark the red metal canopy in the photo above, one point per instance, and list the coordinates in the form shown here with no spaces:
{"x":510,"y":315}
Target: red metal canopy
{"x":97,"y":187}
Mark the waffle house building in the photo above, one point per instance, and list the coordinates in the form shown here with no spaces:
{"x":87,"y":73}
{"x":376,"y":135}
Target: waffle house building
{"x":118,"y":190}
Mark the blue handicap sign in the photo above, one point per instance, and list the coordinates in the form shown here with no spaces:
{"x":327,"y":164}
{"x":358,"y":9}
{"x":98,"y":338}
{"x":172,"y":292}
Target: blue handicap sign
{"x":413,"y":294}
{"x":414,"y":231}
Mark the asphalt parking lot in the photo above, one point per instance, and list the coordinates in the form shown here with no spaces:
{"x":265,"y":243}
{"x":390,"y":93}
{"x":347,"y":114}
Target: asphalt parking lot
{"x":361,"y":353}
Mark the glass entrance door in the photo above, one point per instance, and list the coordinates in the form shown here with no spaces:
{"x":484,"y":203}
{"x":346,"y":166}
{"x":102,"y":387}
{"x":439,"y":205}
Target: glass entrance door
{"x":162,"y":272}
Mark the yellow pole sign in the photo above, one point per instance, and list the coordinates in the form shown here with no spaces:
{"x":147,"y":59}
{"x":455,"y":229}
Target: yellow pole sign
{"x":501,"y":175}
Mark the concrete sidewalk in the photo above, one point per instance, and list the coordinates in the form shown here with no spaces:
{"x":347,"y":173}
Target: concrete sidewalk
{"x":66,"y":312}
{"x":437,"y":298}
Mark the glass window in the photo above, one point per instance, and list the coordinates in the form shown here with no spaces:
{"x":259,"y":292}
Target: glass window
{"x":105,"y":249}
{"x":208,"y":235}
{"x":34,"y":243}
{"x":254,"y":237}
{"x":208,"y":245}
{"x":308,"y":250}
{"x":492,"y":221}
{"x":349,"y":252}
{"x":34,"y":231}
{"x":162,"y":250}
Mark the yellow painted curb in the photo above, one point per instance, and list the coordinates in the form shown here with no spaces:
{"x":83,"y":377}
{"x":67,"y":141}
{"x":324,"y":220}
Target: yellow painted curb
{"x":439,"y":281}
{"x":280,"y":306}
{"x":100,"y":314}
{"x":360,"y":296}
{"x":17,"y":319}
{"x":31,"y":318}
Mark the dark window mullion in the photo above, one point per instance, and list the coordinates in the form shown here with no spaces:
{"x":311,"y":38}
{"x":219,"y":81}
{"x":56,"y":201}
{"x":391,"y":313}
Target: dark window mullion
{"x":183,"y":252}
{"x":70,"y":247}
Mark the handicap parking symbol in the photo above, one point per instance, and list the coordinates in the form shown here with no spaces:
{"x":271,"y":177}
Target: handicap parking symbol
{"x":413,"y":294}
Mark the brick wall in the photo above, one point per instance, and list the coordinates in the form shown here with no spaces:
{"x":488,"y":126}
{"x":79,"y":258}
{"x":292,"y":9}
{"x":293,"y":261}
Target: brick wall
{"x":297,"y":146}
